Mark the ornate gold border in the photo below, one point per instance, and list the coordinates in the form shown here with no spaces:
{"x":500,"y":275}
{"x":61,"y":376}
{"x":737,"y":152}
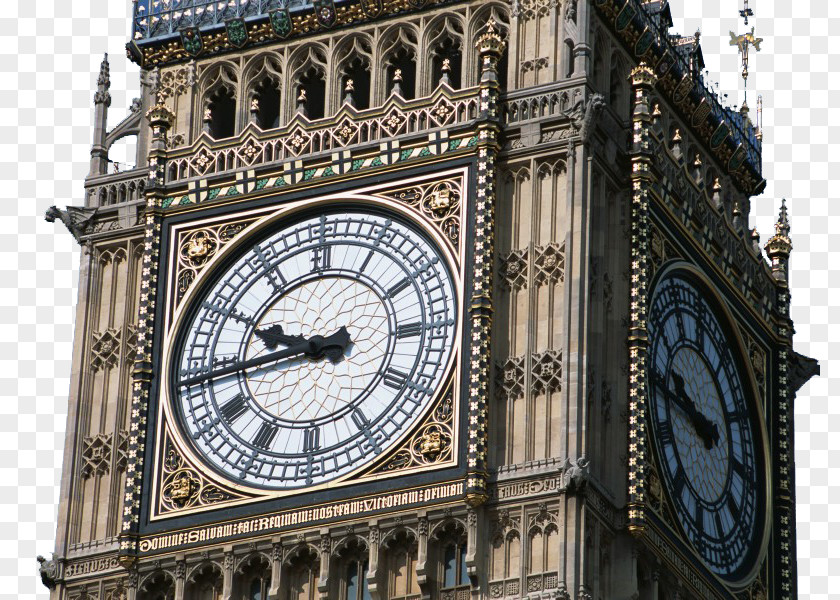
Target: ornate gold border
{"x":265,"y":218}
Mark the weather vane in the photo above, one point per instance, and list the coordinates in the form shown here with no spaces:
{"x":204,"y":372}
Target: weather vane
{"x":743,"y":42}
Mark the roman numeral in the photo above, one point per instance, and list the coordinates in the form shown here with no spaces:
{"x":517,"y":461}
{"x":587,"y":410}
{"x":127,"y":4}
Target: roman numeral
{"x":234,"y":408}
{"x":718,"y":526}
{"x":698,"y":517}
{"x":666,"y":434}
{"x":366,"y":262}
{"x":264,"y":436}
{"x":733,"y":507}
{"x":275,"y":278}
{"x":321,"y":258}
{"x":359,"y":419}
{"x":311,"y":440}
{"x":396,"y":289}
{"x":405,"y":330}
{"x":679,"y":481}
{"x":395,"y":379}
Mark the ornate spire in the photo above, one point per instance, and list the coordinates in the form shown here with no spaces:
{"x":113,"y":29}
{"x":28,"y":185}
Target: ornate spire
{"x":103,"y":83}
{"x":778,"y":247}
{"x":783,"y":225}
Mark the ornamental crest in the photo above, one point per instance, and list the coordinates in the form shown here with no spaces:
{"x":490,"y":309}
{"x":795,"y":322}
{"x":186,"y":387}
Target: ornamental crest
{"x":237,"y":33}
{"x":191,"y":40}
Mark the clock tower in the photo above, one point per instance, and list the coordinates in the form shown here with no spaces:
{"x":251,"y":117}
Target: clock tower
{"x":426,"y":299}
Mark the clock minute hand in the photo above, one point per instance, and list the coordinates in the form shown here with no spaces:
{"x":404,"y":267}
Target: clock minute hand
{"x":332,"y":347}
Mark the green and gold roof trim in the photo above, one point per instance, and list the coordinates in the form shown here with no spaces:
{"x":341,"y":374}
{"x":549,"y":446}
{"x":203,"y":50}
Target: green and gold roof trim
{"x":188,"y":42}
{"x":295,"y":173}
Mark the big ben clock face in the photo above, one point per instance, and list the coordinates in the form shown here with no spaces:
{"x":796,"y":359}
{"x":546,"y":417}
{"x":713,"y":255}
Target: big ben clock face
{"x":315,"y":350}
{"x":705,"y":430}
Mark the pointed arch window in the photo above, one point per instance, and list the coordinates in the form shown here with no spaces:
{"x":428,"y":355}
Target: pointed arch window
{"x":265,"y":104}
{"x":355,"y":83}
{"x":220,"y":113}
{"x":356,"y":580}
{"x":446,"y":64}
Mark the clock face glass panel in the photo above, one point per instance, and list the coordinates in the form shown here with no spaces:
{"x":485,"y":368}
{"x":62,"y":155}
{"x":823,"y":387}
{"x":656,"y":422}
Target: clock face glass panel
{"x":703,"y":428}
{"x":316,"y":350}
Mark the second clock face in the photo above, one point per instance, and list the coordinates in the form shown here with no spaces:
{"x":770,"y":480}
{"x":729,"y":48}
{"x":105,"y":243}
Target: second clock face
{"x":316,"y":350}
{"x":704,"y":428}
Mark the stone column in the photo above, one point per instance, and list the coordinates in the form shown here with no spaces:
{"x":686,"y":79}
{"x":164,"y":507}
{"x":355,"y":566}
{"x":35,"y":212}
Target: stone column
{"x":276,"y":569}
{"x":422,"y":551}
{"x":373,"y":562}
{"x":180,"y":576}
{"x":324,"y":575}
{"x":227,"y":574}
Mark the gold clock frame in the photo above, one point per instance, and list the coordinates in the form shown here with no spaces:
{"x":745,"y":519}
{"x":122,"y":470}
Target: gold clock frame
{"x":265,"y":218}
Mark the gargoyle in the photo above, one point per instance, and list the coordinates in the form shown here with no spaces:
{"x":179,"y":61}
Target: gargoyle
{"x":48,"y":570}
{"x":77,"y":220}
{"x":593,"y":108}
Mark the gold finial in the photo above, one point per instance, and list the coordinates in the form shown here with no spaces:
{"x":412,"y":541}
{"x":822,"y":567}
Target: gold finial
{"x":490,"y":41}
{"x":302,"y":95}
{"x":779,"y":246}
{"x":397,"y":75}
{"x":348,"y":85}
{"x":677,"y":137}
{"x":643,"y":75}
{"x":698,"y":162}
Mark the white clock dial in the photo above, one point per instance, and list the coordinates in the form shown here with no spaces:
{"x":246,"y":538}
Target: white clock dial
{"x":316,"y":349}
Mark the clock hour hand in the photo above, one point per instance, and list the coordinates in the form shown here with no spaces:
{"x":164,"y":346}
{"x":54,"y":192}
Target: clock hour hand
{"x":273,"y":336}
{"x":704,"y":427}
{"x":316,"y":347}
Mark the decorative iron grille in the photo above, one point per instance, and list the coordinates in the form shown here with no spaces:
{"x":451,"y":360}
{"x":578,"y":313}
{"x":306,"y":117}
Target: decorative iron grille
{"x":159,"y":18}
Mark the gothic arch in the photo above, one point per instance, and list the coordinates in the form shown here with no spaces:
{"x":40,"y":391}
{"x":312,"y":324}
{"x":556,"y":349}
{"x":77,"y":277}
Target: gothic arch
{"x":398,"y":49}
{"x":350,"y":561}
{"x":548,"y":168}
{"x":252,"y":577}
{"x":262,"y":82}
{"x":219,"y":95}
{"x":600,"y":73}
{"x":399,"y":552}
{"x":476,"y":24}
{"x":300,"y":575}
{"x":352,"y":58}
{"x":308,"y":72}
{"x":204,"y":582}
{"x":157,"y":585}
{"x":443,"y":39}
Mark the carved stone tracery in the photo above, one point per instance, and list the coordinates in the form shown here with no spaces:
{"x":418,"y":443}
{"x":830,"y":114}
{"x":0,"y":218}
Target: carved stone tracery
{"x":183,"y":487}
{"x":437,"y":201}
{"x":550,"y":263}
{"x":196,"y":248}
{"x":431,"y":444}
{"x":514,"y":269}
{"x":547,"y":371}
